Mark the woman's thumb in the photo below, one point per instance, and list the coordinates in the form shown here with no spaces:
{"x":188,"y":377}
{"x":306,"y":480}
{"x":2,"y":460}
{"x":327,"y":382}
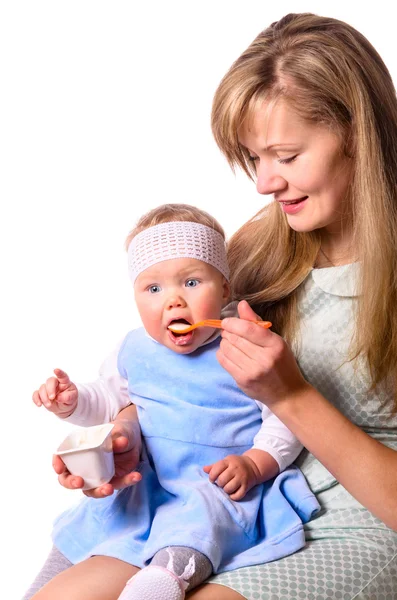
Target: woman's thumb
{"x":246,"y":312}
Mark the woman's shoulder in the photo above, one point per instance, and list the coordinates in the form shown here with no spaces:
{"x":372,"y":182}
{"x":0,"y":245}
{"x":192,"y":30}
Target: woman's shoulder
{"x":339,"y":281}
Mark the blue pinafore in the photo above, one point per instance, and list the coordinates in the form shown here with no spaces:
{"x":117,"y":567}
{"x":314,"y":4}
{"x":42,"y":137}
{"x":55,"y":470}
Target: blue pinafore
{"x":191,"y":414}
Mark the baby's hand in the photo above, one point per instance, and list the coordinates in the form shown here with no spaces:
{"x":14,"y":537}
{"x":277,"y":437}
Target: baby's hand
{"x":58,"y":394}
{"x":235,"y":474}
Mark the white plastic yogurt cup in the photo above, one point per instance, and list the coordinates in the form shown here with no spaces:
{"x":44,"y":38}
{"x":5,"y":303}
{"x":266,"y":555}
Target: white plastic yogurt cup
{"x":87,"y":452}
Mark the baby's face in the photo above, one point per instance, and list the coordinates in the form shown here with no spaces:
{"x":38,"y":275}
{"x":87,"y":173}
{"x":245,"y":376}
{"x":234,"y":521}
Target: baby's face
{"x":180,"y":289}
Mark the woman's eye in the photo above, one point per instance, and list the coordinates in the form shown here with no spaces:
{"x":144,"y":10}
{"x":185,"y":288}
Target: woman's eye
{"x":154,"y":289}
{"x":253,"y":158}
{"x":192,"y":283}
{"x":286,"y":161}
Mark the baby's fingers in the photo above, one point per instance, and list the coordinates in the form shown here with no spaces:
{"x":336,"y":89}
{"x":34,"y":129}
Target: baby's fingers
{"x":62,"y":377}
{"x":67,"y":398}
{"x":51,"y":386}
{"x":215,"y":470}
{"x":44,"y":393}
{"x":71,"y":482}
{"x":58,"y":465}
{"x":232,"y":486}
{"x":102,"y":491}
{"x":239,"y":494}
{"x":66,"y":479}
{"x":36,"y":398}
{"x":132,"y":478}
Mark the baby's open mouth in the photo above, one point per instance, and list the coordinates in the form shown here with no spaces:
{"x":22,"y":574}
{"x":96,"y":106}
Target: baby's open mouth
{"x":178,"y":324}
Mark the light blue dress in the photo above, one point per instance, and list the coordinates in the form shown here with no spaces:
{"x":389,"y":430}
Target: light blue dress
{"x":191,"y":414}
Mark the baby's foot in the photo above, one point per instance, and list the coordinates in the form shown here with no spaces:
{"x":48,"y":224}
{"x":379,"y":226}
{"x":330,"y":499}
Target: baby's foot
{"x":154,"y":583}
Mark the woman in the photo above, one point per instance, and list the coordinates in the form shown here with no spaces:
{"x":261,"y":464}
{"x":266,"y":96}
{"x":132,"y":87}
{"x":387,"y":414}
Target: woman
{"x":309,"y":111}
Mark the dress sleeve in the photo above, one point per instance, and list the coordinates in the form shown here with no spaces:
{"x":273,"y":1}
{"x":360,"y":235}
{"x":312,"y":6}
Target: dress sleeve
{"x":276,"y":439}
{"x":100,"y":401}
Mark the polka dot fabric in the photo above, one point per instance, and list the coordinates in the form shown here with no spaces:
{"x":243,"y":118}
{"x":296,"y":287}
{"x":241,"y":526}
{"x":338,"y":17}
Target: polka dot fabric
{"x":343,"y":569}
{"x":349,"y":554}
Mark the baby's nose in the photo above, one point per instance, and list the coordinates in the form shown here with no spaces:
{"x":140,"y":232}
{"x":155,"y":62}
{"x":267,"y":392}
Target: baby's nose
{"x":175,"y":300}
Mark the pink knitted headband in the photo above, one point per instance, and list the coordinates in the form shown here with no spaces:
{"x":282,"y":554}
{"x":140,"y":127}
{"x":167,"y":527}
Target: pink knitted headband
{"x":177,"y":239}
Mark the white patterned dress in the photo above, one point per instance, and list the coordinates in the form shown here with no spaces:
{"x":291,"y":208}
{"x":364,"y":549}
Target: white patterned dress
{"x":349,"y":553}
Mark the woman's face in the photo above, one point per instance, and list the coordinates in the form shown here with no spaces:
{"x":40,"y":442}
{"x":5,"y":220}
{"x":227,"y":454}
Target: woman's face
{"x":301,"y":165}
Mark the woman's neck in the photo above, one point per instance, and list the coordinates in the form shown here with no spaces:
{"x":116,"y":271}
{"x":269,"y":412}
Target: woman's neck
{"x":335,"y":253}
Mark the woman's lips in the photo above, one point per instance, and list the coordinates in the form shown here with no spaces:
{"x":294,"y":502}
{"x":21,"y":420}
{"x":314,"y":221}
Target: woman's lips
{"x":293,"y":206}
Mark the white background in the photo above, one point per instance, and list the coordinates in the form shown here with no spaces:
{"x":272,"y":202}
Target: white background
{"x":105,"y":111}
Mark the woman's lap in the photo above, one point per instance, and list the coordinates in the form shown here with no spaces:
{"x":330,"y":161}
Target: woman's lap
{"x":346,"y":569}
{"x":349,"y":555}
{"x":346,"y":566}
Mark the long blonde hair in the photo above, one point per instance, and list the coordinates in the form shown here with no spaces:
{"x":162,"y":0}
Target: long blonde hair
{"x":330,"y":74}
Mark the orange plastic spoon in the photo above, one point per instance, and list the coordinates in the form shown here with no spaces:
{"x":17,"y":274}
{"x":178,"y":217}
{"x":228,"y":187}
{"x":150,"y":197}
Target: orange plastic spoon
{"x":181,"y":328}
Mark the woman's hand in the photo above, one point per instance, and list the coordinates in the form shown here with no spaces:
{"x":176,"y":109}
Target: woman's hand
{"x":260,"y":361}
{"x":127,"y":443}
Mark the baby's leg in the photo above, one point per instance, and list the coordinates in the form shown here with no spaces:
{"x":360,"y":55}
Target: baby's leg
{"x":172,"y":571}
{"x":55,"y":563}
{"x":97,"y":578}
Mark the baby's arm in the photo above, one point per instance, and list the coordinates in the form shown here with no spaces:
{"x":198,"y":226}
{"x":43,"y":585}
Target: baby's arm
{"x":58,"y":394}
{"x":275,"y":447}
{"x":102,"y":401}
{"x":89,"y":404}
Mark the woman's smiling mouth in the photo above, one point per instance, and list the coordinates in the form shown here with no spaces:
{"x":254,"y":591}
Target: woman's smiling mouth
{"x":293,"y":206}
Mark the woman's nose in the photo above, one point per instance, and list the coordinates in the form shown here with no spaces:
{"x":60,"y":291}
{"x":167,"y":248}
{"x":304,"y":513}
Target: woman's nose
{"x":268,"y":181}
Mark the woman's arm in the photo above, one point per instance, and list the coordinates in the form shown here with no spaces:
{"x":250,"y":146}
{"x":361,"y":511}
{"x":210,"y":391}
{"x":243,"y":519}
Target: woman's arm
{"x":364,"y":466}
{"x":265,"y":369}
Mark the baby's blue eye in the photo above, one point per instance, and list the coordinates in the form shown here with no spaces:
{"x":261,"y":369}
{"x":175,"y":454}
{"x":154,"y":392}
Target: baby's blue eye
{"x":192,"y":282}
{"x":154,"y":289}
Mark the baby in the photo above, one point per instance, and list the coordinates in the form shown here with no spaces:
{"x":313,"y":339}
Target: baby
{"x":208,"y":501}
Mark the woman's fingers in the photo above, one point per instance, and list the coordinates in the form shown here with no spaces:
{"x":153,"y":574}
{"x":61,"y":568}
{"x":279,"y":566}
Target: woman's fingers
{"x":246,"y":312}
{"x":246,"y":356}
{"x":234,"y":328}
